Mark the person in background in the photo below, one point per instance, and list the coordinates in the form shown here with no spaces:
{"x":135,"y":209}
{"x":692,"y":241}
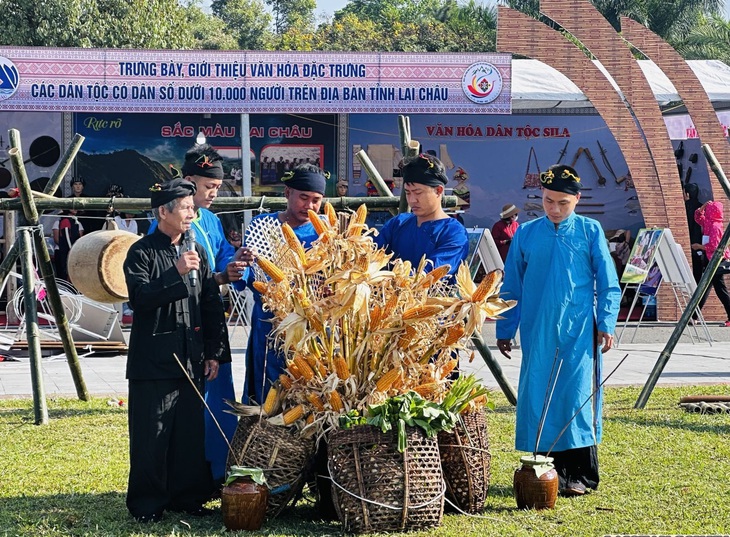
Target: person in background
{"x":203,"y":166}
{"x":174,"y":320}
{"x":427,"y":230}
{"x":710,"y":218}
{"x":234,"y":237}
{"x":691,"y":193}
{"x":561,"y":273}
{"x":504,"y":229}
{"x":77,"y":191}
{"x":342,"y":188}
{"x":67,"y":229}
{"x":126,"y":222}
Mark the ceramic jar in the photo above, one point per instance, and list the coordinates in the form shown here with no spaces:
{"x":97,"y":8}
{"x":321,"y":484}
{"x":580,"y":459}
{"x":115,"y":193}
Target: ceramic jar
{"x":243,"y":504}
{"x":536,"y":483}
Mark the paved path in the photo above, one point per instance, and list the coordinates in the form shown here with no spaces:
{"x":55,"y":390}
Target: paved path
{"x":691,"y":364}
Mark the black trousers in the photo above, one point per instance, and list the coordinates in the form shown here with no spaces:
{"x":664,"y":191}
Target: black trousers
{"x":718,"y":284}
{"x":167,"y":466}
{"x":579,"y":464}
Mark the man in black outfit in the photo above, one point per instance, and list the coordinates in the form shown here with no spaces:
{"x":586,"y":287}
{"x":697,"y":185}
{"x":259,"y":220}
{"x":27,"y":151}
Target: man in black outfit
{"x":177,"y":313}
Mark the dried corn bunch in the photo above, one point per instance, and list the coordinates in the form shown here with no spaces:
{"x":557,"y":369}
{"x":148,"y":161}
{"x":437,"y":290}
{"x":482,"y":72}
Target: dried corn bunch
{"x":356,"y":327}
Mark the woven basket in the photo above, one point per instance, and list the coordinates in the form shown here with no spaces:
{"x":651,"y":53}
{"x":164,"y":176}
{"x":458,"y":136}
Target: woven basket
{"x":280,"y":452}
{"x":465,"y":459}
{"x":376,"y":488}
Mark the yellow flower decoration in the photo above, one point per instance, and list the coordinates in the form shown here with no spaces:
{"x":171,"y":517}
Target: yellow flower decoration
{"x":156,"y":187}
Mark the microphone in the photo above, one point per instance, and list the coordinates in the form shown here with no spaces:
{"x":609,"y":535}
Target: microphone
{"x":189,"y":244}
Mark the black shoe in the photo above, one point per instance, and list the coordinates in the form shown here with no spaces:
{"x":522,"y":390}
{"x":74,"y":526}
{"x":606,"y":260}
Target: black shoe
{"x":573,"y":488}
{"x":147,"y":519}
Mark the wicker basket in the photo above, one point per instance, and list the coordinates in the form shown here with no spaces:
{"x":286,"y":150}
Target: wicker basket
{"x":376,"y":488}
{"x":465,"y":459}
{"x":281,"y":452}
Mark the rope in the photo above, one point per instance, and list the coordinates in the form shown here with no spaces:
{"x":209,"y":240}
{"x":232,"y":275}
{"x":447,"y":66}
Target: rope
{"x":394,"y":508}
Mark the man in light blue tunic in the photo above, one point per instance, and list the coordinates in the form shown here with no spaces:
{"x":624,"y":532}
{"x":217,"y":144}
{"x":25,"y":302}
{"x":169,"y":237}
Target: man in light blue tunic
{"x":560,"y":272}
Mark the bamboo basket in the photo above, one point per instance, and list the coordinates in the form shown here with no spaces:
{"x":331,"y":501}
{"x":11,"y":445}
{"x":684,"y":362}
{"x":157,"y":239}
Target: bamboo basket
{"x":466,"y":462}
{"x":376,"y":488}
{"x":280,"y":452}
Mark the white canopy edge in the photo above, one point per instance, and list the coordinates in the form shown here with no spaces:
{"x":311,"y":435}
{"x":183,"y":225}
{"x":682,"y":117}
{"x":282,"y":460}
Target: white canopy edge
{"x":536,"y":85}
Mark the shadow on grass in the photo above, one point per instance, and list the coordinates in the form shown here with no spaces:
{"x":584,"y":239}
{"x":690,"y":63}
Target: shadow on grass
{"x":106,"y":514}
{"x":26,"y":415}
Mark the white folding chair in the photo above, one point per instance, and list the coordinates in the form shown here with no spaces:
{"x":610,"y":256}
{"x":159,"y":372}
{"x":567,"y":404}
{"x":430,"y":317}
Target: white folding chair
{"x":240,"y":314}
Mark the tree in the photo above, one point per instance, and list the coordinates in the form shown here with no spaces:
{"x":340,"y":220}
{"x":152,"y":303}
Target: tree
{"x":710,"y":39}
{"x":247,"y":20}
{"x":292,"y":13}
{"x":95,"y":23}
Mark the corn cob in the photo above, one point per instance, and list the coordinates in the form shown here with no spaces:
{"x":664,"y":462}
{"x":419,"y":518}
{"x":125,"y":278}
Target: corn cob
{"x":387,"y":380}
{"x":303,"y":299}
{"x":294,"y":370}
{"x":427,"y":390}
{"x":271,"y":270}
{"x":435,"y":275}
{"x":331,"y":214}
{"x":285,"y":382}
{"x":303,"y":367}
{"x":261,"y":287}
{"x":375,"y":317}
{"x":319,"y":225}
{"x":448,"y":368}
{"x":390,"y":307}
{"x":310,"y":419}
{"x":315,"y":401}
{"x":341,"y":368}
{"x":453,"y":335}
{"x":293,"y":242}
{"x":270,"y":402}
{"x":336,"y":401}
{"x":293,"y":414}
{"x":420,"y":312}
{"x":488,"y":286}
{"x":357,"y":220}
{"x":407,"y":337}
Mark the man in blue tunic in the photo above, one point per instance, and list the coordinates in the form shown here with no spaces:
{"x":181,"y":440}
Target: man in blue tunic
{"x":304,"y":188}
{"x":203,"y":166}
{"x":560,"y":272}
{"x":427,"y":229}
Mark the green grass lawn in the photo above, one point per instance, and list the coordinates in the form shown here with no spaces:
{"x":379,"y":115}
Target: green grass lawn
{"x":663,"y":470}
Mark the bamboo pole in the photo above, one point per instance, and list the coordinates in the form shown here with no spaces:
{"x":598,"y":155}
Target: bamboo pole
{"x":40,"y":409}
{"x":220,"y":204}
{"x":694,"y":300}
{"x":64,"y":165}
{"x":495,"y":368}
{"x":44,"y":260}
{"x":9,"y":263}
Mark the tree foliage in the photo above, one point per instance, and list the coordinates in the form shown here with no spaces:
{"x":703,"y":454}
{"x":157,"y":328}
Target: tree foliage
{"x":694,"y":27}
{"x":95,"y":23}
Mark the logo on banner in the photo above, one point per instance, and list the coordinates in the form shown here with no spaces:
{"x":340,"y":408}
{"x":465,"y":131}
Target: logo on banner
{"x":481,"y":83}
{"x":9,"y":78}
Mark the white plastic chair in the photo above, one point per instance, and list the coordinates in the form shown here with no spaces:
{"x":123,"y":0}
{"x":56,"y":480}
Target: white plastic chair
{"x":240,"y":314}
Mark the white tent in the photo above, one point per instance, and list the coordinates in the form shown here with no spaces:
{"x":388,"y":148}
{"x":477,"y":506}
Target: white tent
{"x":537,"y":86}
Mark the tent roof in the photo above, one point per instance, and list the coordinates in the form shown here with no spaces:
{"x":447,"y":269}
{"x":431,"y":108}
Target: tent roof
{"x":536,"y":85}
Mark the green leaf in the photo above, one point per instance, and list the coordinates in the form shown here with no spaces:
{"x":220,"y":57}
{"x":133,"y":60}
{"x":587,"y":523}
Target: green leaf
{"x":257,"y":474}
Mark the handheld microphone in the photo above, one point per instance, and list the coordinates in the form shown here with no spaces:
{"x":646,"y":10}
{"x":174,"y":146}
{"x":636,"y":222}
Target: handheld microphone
{"x":189,"y":243}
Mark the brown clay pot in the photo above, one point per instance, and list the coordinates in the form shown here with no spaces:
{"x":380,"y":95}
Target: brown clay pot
{"x":533,"y":491}
{"x":243,"y":504}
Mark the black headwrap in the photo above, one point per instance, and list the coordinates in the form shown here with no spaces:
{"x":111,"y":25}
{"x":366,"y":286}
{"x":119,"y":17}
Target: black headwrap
{"x":424,"y":169}
{"x":204,"y":161}
{"x":307,"y":179}
{"x":561,"y":178}
{"x":162,"y":193}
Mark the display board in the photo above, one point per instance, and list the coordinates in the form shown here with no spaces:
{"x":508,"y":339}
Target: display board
{"x":642,"y":255}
